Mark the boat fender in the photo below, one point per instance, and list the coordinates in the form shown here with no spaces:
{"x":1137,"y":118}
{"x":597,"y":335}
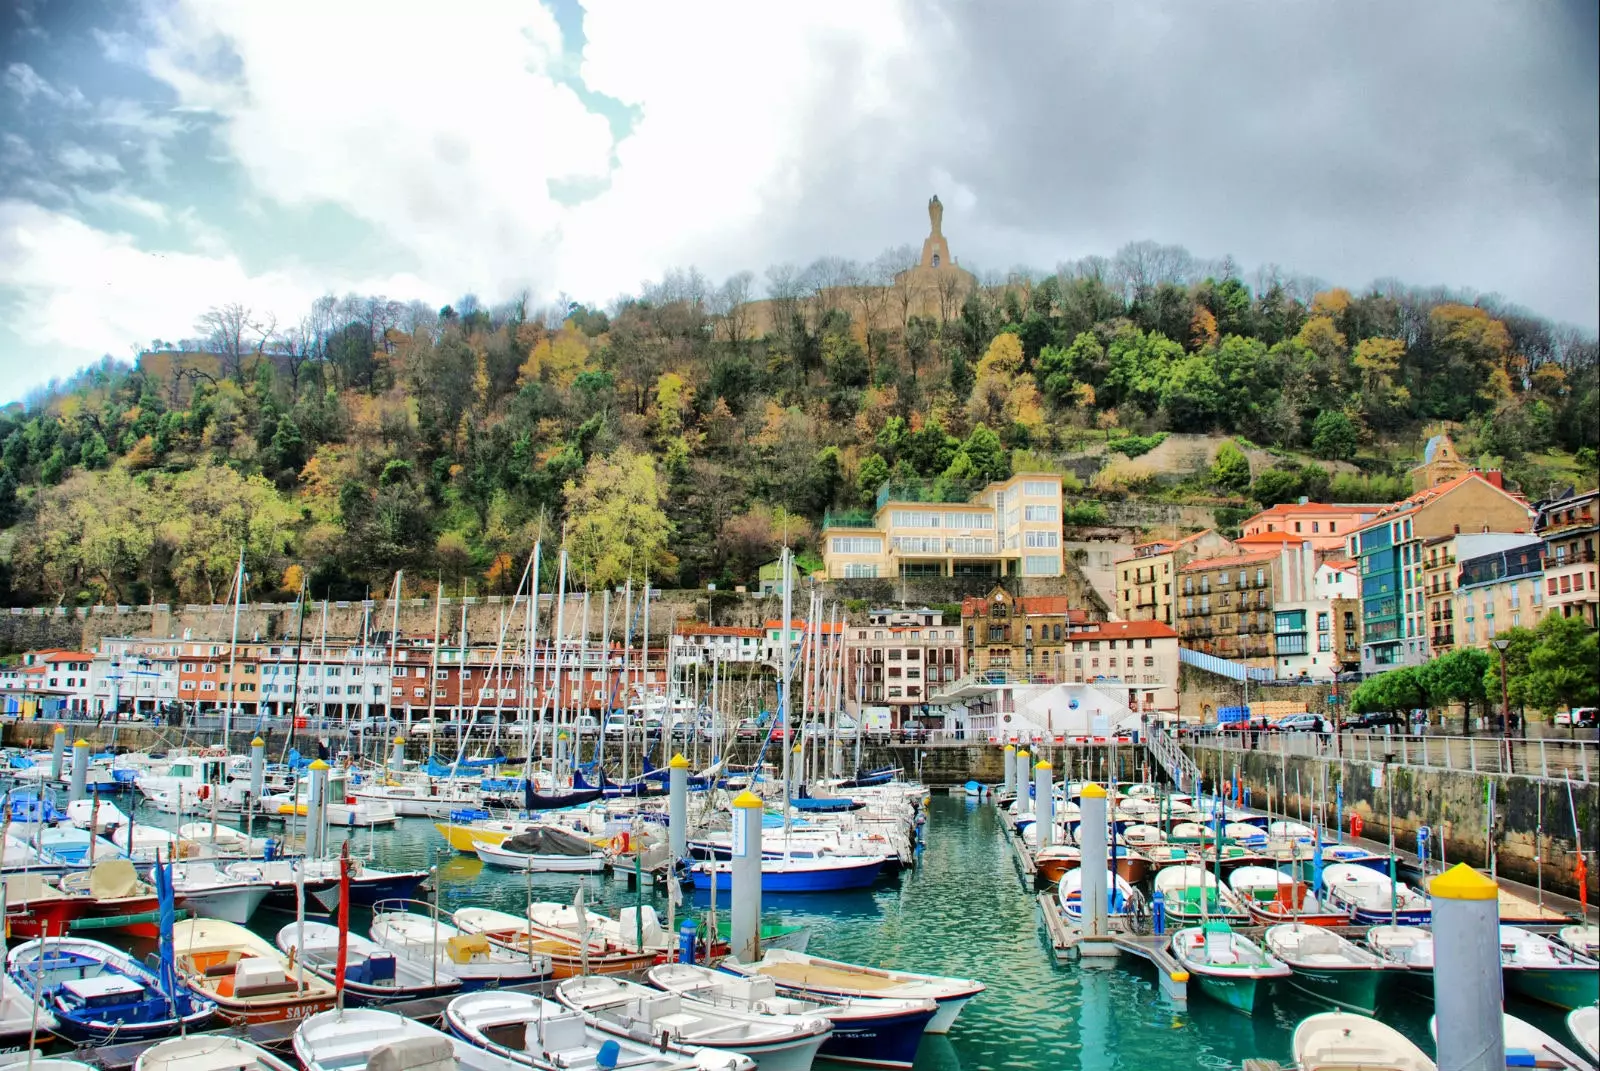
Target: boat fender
{"x":606,"y":1059}
{"x":1356,"y":825}
{"x":204,"y":792}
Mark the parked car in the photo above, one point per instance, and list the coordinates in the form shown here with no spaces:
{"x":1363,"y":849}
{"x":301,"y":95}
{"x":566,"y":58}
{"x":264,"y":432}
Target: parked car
{"x":1375,"y":719}
{"x":1578,"y":718}
{"x":424,"y":726}
{"x":1298,"y":723}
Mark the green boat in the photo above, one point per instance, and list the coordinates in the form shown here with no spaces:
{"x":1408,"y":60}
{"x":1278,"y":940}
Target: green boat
{"x":1327,"y":966}
{"x":1190,"y":894}
{"x":1540,"y":969}
{"x":1228,"y":966}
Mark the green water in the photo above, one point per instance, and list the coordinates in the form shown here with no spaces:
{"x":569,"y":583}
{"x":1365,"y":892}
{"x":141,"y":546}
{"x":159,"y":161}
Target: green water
{"x":963,"y":911}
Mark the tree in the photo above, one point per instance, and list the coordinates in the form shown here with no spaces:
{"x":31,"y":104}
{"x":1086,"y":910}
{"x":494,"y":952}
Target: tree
{"x":1564,"y":666}
{"x":1377,"y":362}
{"x":1231,"y":469}
{"x":869,"y":477}
{"x":616,"y":528}
{"x":1456,"y":677}
{"x":9,"y":508}
{"x":981,"y":458}
{"x":1398,"y":690}
{"x":1333,"y":436}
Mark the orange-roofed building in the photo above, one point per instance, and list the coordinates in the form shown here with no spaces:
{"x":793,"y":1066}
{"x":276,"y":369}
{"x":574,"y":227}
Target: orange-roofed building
{"x":695,"y":642}
{"x":1145,"y":579}
{"x":1135,"y":658}
{"x":1226,"y":605}
{"x":1325,"y":526}
{"x":1019,"y":636}
{"x":897,"y":660}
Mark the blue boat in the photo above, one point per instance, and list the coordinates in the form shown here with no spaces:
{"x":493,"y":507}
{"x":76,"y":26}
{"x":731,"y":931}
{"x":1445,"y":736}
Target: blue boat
{"x":827,"y":873}
{"x":867,"y":778}
{"x":99,"y":994}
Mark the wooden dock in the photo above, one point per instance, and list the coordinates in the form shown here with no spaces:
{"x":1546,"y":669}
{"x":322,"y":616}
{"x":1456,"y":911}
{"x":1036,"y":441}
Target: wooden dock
{"x":1067,"y":943}
{"x":1020,"y":850}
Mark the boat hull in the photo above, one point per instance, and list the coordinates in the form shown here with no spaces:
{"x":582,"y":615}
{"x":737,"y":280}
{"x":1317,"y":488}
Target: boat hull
{"x":1355,"y":988}
{"x":231,"y":905}
{"x":831,"y":879}
{"x":1238,"y":993}
{"x":1562,"y":987}
{"x":883,"y":1041}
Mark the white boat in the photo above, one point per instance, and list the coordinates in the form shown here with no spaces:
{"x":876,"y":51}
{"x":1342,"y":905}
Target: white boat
{"x":435,"y":799}
{"x":540,"y":1033}
{"x":250,"y":981}
{"x":1584,"y":939}
{"x":208,"y":1052}
{"x":1339,"y":1041}
{"x":217,"y":839}
{"x":1121,"y":897}
{"x":1192,"y":893}
{"x":434,"y":943}
{"x":204,"y":890}
{"x":1404,"y":946}
{"x":625,"y":930}
{"x":1289,"y":830}
{"x":1327,"y":965}
{"x":544,"y":849}
{"x":1228,"y":966}
{"x":830,"y":979}
{"x":1528,"y":1046}
{"x":146,"y":843}
{"x":628,"y":1010}
{"x":42,"y":1063}
{"x":358,"y":812}
{"x":373,"y":975}
{"x":1372,"y":898}
{"x":1540,"y":969}
{"x":1584,"y":1023}
{"x":17,"y":1015}
{"x":385,"y":1041}
{"x":106,"y":815}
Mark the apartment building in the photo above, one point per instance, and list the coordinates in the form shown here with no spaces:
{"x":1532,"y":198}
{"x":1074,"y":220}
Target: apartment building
{"x":1145,"y":579}
{"x":697,"y":643}
{"x":1323,"y":524}
{"x":1137,"y":660}
{"x":1316,"y":631}
{"x":829,"y":633}
{"x":1500,"y":590}
{"x":1009,"y":528}
{"x":1390,"y":552}
{"x":1441,"y":576}
{"x":137,"y":676}
{"x":898,"y":658}
{"x":1568,"y":527}
{"x":1007,"y":635}
{"x":1227,"y":606}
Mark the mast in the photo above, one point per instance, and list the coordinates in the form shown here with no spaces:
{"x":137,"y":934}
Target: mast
{"x":605,"y":672}
{"x":299,"y":641}
{"x":627,"y":665}
{"x":394,"y":633}
{"x":644,"y":671}
{"x":535,"y":725}
{"x":580,"y":701}
{"x":433,"y":657}
{"x":233,"y":648}
{"x":556,"y":643}
{"x":784,"y":631}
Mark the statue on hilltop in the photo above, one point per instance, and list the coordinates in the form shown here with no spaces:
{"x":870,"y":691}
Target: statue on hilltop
{"x":936,"y":215}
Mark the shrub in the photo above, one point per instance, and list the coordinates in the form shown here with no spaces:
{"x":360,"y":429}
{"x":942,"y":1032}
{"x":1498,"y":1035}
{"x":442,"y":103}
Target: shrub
{"x":1083,"y":513}
{"x":1138,"y":445}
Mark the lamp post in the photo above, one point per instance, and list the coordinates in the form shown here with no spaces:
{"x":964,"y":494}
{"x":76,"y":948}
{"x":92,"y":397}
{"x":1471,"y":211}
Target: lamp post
{"x":1505,"y":698}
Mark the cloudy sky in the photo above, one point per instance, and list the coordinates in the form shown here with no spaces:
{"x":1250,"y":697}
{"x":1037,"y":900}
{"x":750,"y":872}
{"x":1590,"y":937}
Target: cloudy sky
{"x":160,"y":157}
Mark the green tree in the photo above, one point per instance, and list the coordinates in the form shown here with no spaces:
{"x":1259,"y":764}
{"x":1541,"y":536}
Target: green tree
{"x":616,"y":527}
{"x":1397,"y":690}
{"x":10,"y":509}
{"x":1333,"y":436}
{"x":981,"y":458}
{"x":1520,"y":643}
{"x":1456,"y":677}
{"x":1231,"y":469}
{"x":869,"y":477}
{"x":1564,"y":667}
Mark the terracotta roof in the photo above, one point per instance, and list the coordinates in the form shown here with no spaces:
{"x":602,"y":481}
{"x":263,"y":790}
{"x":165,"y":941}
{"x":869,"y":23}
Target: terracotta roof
{"x":1341,"y":563}
{"x":1228,"y":560}
{"x":1283,"y":509}
{"x":1132,"y":630}
{"x":1262,"y":538}
{"x":1156,"y":543}
{"x":1030,"y":606}
{"x":1422,"y":498}
{"x":67,"y":656}
{"x":800,"y":623}
{"x":700,"y":628}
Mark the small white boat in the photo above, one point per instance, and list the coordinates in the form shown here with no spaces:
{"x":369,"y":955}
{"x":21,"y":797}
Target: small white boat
{"x":433,"y":800}
{"x":1585,"y":1026}
{"x":42,"y":1063}
{"x":204,"y":890}
{"x":434,"y":943}
{"x":385,"y":1041}
{"x":214,"y":838}
{"x":1528,"y":1046}
{"x":829,"y":979}
{"x":1289,"y":830}
{"x":1372,"y":898}
{"x":1403,"y":946}
{"x":1327,"y":965}
{"x":358,"y":812}
{"x":1121,"y":897}
{"x":1583,"y":939}
{"x":540,"y":1033}
{"x":106,"y":815}
{"x":1339,"y":1041}
{"x":628,"y":1010}
{"x":373,"y":975}
{"x":17,"y":1015}
{"x":544,"y":849}
{"x":208,"y":1052}
{"x":1540,"y":969}
{"x":146,"y":843}
{"x":1227,"y":965}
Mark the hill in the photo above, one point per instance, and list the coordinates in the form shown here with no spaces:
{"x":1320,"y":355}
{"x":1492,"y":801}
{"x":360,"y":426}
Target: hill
{"x":680,"y":433}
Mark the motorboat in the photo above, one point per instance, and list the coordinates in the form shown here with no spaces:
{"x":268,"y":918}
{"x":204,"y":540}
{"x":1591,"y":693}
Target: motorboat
{"x":372,"y":975}
{"x":208,"y":1052}
{"x":36,"y":908}
{"x":544,"y":849}
{"x":20,"y":1019}
{"x":628,"y":1010}
{"x":1192,"y":894}
{"x":818,"y":874}
{"x":1373,"y":898}
{"x":368,"y":884}
{"x":1528,"y":1046}
{"x":533,"y":1032}
{"x":1121,"y":897}
{"x":250,"y":981}
{"x":112,"y":888}
{"x":1326,"y":965}
{"x":1227,"y":965}
{"x":99,"y":994}
{"x":1547,"y":971}
{"x":1054,"y":861}
{"x":435,"y":798}
{"x":827,"y":979}
{"x":1584,"y":1024}
{"x":28,"y":1060}
{"x":879,"y":1032}
{"x":1584,"y":939}
{"x":431,"y":942}
{"x":640,"y":928}
{"x":1273,"y":897}
{"x":1408,"y":948}
{"x":202,"y":889}
{"x":570,"y":955}
{"x":1339,"y":1041}
{"x":103,"y":815}
{"x":217,"y":839}
{"x":386,"y":1041}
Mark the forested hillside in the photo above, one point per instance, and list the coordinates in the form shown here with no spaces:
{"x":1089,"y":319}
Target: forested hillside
{"x":666,"y":433}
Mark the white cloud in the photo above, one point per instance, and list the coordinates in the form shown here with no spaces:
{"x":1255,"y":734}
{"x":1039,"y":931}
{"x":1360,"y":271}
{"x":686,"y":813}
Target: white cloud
{"x":120,"y":199}
{"x":77,"y":160}
{"x":27,"y":83}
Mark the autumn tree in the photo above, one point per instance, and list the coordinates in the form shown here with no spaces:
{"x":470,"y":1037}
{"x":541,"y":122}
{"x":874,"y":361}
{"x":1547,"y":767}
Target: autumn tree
{"x":616,"y":528}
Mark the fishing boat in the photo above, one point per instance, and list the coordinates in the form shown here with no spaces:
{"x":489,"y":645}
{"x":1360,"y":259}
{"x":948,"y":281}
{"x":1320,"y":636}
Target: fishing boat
{"x":876,"y":1032}
{"x":368,"y":885}
{"x":1540,"y":969}
{"x":208,"y":1052}
{"x":1340,"y":1041}
{"x":1373,"y":898}
{"x":1053,"y":862}
{"x":435,"y":799}
{"x":372,"y":975}
{"x":1121,"y":897}
{"x":98,"y":993}
{"x":628,"y":1010}
{"x":1408,"y":948}
{"x":385,"y":1041}
{"x":112,"y":888}
{"x":1142,"y":835}
{"x":570,"y":955}
{"x":1582,"y":939}
{"x":817,"y":874}
{"x":432,"y":943}
{"x":1273,"y":897}
{"x":1131,"y":864}
{"x":1227,"y":965}
{"x":250,"y":981}
{"x":36,"y":908}
{"x":1584,"y":1024}
{"x":202,"y":889}
{"x":544,"y":849}
{"x":1327,"y":966}
{"x":102,"y":815}
{"x":533,"y":1032}
{"x":1191,"y":833}
{"x":827,"y":980}
{"x":218,"y":839}
{"x":1162,"y":856}
{"x":20,"y":1019}
{"x":1338,"y":855}
{"x":1191,"y":894}
{"x":1528,"y":1046}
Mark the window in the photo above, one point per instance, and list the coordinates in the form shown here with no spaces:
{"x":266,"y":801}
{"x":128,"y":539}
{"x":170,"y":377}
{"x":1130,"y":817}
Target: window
{"x":187,"y":686}
{"x":1041,"y":565}
{"x":1042,"y":539}
{"x":1040,"y":513}
{"x":960,"y":521}
{"x":859,"y":571}
{"x":1041,"y":488}
{"x":857,"y":545}
{"x":188,"y":667}
{"x":914,"y":518}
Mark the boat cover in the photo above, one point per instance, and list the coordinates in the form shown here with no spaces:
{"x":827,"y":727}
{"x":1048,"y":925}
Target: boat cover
{"x":547,"y":840}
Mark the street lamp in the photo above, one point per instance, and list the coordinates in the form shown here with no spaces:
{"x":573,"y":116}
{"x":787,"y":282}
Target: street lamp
{"x":1505,"y":692}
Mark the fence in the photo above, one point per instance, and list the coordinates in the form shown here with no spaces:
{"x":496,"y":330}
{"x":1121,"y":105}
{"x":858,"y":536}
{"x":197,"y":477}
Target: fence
{"x":1546,"y":757}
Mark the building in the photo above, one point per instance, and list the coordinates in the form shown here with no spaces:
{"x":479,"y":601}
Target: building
{"x":769,"y":577}
{"x":1389,"y":550}
{"x":1145,"y":579}
{"x":136,"y":676}
{"x":1568,"y":527}
{"x":695,"y":642}
{"x":1500,"y":590}
{"x":1316,"y":631}
{"x":1324,"y":526}
{"x":1441,"y":576}
{"x":1139,"y":658}
{"x":828,"y":633}
{"x":1009,"y":528}
{"x":1008,"y":636}
{"x":1227,"y":606}
{"x":898,"y":658}
{"x":1440,"y":465}
{"x":1096,"y":555}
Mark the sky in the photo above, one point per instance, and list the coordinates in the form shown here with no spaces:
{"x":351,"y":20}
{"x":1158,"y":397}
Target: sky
{"x":160,"y":157}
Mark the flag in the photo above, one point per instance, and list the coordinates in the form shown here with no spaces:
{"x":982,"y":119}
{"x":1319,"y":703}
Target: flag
{"x":167,"y":973}
{"x":344,"y":919}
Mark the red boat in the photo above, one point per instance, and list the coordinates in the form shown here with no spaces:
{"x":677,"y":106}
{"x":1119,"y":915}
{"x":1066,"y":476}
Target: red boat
{"x":35,"y":908}
{"x":114,"y":899}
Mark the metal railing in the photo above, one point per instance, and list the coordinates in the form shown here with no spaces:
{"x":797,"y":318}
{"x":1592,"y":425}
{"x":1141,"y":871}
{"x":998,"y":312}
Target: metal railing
{"x":1552,"y":757}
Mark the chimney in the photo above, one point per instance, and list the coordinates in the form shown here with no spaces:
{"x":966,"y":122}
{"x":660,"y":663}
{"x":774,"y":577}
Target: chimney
{"x":1496,"y":477}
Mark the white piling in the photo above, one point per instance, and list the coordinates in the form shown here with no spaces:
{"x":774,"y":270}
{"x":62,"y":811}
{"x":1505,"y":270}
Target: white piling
{"x":80,"y":771}
{"x":1044,"y":806}
{"x":317,"y":811}
{"x":1092,"y":859}
{"x":1011,"y":769}
{"x":678,"y":807}
{"x":1024,"y":803}
{"x":1467,"y":988}
{"x":258,"y":768}
{"x":746,"y":868}
{"x":58,"y":751}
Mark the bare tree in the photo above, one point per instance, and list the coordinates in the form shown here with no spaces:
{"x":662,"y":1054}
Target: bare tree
{"x":731,"y":306}
{"x":225,"y":328}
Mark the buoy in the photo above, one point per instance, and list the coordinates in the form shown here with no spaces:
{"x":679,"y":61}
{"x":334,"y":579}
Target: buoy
{"x":1356,"y":825}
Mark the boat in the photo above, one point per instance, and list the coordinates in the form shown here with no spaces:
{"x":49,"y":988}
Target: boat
{"x":1373,"y":898}
{"x":368,"y":885}
{"x":628,"y":1010}
{"x":569,"y":954}
{"x":208,"y":1052}
{"x":1053,"y":862}
{"x":1583,"y":939}
{"x":1192,"y":894}
{"x":218,"y":839}
{"x":98,"y":994}
{"x":544,"y":849}
{"x":19,"y":1018}
{"x":372,"y":975}
{"x":202,"y":889}
{"x":462,"y":832}
{"x":1162,"y":856}
{"x":112,"y":888}
{"x":975,"y":788}
{"x":1337,"y":855}
{"x":1407,"y":948}
{"x":1131,"y":864}
{"x":250,"y":981}
{"x":1273,"y":897}
{"x":1228,"y":966}
{"x":1121,"y":897}
{"x":28,"y":1061}
{"x":386,"y":1041}
{"x":1327,"y":966}
{"x":103,"y":814}
{"x":1540,"y":969}
{"x":1584,"y":1023}
{"x":773,"y":935}
{"x":1340,"y":1041}
{"x":817,"y":874}
{"x":435,"y":799}
{"x":828,"y":980}
{"x":36,"y":908}
{"x":435,"y":944}
{"x":1528,"y":1046}
{"x":534,"y":1032}
{"x":1142,"y":835}
{"x":878,"y":1032}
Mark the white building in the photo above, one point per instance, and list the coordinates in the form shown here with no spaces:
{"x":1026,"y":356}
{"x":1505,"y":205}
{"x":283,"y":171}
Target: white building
{"x":138,"y":676}
{"x":694,"y":643}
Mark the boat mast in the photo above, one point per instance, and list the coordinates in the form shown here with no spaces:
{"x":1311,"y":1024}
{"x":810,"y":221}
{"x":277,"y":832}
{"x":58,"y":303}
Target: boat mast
{"x":433,"y":657}
{"x":605,"y":673}
{"x":556,"y":643}
{"x":533,"y":727}
{"x":394,"y":630}
{"x":627,"y":666}
{"x":233,"y":647}
{"x":785,"y":630}
{"x":580,"y":702}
